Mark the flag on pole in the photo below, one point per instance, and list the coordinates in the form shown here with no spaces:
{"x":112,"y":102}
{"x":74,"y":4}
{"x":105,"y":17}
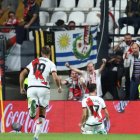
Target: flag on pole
{"x":73,"y":47}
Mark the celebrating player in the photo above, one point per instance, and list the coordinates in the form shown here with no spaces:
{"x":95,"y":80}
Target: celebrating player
{"x":38,"y":92}
{"x":92,"y":121}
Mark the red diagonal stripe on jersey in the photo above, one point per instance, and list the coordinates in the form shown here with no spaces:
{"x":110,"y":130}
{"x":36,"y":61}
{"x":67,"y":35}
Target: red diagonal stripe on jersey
{"x":37,"y":72}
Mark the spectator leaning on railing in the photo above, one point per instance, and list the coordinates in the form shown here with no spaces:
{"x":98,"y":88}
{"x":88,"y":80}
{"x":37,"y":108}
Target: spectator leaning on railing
{"x":30,"y":18}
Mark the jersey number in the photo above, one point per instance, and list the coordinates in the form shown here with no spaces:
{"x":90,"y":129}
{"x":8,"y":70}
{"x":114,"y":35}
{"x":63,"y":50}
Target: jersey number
{"x":93,"y":108}
{"x":40,"y":67}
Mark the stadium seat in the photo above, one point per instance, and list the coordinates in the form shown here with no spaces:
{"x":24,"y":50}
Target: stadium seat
{"x":84,"y":5}
{"x":66,"y":5}
{"x":44,"y":18}
{"x":138,"y":32}
{"x":48,"y":5}
{"x":121,"y":5}
{"x":98,"y":3}
{"x":92,"y":18}
{"x":58,"y":15}
{"x":127,"y":29}
{"x":77,"y":16}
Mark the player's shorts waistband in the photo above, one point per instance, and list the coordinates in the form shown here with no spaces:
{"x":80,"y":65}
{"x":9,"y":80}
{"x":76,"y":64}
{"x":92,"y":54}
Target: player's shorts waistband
{"x":94,"y":124}
{"x":39,"y":87}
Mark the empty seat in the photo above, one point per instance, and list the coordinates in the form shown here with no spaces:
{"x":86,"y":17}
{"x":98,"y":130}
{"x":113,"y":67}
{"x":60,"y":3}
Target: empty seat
{"x":127,"y":29}
{"x":58,"y":15}
{"x":98,"y":3}
{"x":44,"y":18}
{"x":92,"y":18}
{"x":48,"y":5}
{"x":84,"y":5}
{"x":121,"y":5}
{"x":77,"y":16}
{"x":66,"y":5}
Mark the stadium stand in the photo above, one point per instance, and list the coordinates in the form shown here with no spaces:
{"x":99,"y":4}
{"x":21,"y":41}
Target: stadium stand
{"x":65,"y":5}
{"x":127,"y":29}
{"x":48,"y":5}
{"x":58,"y":15}
{"x":77,"y":16}
{"x":44,"y":18}
{"x":92,"y":21}
{"x":84,"y":5}
{"x":120,"y":5}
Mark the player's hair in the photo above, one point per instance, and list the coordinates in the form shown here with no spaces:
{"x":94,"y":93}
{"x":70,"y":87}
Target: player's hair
{"x":46,"y":50}
{"x":92,"y":87}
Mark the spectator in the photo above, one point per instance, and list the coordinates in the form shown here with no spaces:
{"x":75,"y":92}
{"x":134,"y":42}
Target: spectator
{"x":124,"y":45}
{"x":31,"y":13}
{"x":71,"y":25}
{"x":111,"y":76}
{"x":11,"y":21}
{"x":31,"y":18}
{"x":132,"y":60}
{"x":121,"y":49}
{"x":8,"y":32}
{"x":133,"y":15}
{"x":59,"y":25}
{"x":91,"y":75}
{"x":75,"y":86}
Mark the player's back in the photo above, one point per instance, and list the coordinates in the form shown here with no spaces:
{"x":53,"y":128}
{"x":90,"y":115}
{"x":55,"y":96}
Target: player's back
{"x":94,"y":105}
{"x":40,"y":70}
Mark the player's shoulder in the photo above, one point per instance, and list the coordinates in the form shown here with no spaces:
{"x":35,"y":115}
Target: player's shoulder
{"x":45,"y":60}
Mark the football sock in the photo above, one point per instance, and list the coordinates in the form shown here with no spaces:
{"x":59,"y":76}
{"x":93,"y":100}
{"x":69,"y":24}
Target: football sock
{"x":39,"y":126}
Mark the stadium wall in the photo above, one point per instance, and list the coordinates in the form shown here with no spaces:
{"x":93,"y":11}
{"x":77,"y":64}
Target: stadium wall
{"x":64,"y":117}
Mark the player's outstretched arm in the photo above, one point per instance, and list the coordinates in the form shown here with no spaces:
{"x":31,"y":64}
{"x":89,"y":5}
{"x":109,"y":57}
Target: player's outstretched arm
{"x":22,"y":77}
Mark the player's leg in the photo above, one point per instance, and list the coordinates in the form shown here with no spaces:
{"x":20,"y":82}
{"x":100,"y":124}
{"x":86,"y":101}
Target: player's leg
{"x":39,"y":122}
{"x":87,"y":129}
{"x":43,"y":98}
{"x":32,"y":102}
{"x":100,"y":129}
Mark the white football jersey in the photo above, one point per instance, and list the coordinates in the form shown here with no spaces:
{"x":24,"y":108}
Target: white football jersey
{"x":94,"y":104}
{"x":39,"y":71}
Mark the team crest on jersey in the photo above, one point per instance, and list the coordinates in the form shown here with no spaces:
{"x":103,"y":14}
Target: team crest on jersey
{"x":81,"y":49}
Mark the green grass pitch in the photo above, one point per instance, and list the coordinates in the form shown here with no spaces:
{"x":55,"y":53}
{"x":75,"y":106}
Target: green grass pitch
{"x":67,"y":136}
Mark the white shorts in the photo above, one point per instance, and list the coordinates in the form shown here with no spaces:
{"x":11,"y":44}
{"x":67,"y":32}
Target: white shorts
{"x":40,"y":94}
{"x":92,"y":126}
{"x":87,"y":129}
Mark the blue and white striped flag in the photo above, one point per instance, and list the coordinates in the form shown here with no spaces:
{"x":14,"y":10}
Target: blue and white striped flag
{"x":70,"y":47}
